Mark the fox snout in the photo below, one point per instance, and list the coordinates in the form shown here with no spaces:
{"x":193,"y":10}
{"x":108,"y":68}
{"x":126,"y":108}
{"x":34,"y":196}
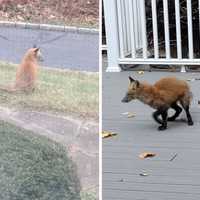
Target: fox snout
{"x":40,"y":56}
{"x":125,"y":99}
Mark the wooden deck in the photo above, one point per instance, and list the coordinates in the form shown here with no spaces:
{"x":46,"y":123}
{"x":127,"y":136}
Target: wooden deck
{"x":167,"y":180}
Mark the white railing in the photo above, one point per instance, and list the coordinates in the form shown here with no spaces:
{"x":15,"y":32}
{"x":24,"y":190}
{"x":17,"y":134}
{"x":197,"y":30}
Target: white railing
{"x":126,"y":30}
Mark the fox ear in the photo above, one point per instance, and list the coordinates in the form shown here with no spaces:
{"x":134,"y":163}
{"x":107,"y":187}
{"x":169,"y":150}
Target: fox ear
{"x":37,"y":49}
{"x":131,"y":79}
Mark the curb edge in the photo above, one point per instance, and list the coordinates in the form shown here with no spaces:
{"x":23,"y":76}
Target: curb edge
{"x":49,"y":27}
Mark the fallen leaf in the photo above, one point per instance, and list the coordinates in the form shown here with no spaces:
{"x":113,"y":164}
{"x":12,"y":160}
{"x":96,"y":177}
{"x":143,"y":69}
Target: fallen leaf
{"x":20,"y":17}
{"x":125,"y":113}
{"x":144,"y":174}
{"x":107,"y":134}
{"x":52,"y":16}
{"x":140,"y":72}
{"x":129,"y":114}
{"x":146,"y":155}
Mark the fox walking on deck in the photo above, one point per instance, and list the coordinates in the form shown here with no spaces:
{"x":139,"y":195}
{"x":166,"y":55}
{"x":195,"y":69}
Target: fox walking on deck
{"x":164,"y":94}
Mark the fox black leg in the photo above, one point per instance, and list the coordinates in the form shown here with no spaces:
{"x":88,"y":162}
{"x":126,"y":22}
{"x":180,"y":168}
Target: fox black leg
{"x":164,"y":123}
{"x":178,"y":110}
{"x":189,"y":117}
{"x":186,"y":107}
{"x":156,"y":118}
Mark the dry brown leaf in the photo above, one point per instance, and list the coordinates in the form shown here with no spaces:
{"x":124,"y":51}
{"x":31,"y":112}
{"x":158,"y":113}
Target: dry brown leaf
{"x":129,"y":114}
{"x":107,"y":134}
{"x":146,"y":155}
{"x":140,"y":72}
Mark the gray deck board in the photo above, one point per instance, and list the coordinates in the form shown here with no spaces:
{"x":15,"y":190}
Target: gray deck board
{"x":167,"y":180}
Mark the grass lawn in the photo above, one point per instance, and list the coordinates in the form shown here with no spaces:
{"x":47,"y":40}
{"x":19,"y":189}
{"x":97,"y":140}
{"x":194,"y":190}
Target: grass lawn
{"x":34,"y":168}
{"x":88,"y":196}
{"x":61,"y":91}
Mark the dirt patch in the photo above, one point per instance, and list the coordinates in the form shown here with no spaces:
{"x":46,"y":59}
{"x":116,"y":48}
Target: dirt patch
{"x":68,"y":12}
{"x":80,"y":138}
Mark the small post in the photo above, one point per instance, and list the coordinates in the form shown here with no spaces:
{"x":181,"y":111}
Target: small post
{"x":112,"y":40}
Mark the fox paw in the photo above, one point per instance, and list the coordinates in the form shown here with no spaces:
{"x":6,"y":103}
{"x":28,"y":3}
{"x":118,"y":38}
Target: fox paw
{"x":162,"y":128}
{"x":190,"y":123}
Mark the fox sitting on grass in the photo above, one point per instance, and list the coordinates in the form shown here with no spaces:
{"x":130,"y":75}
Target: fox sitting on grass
{"x":26,"y":74}
{"x":164,"y":94}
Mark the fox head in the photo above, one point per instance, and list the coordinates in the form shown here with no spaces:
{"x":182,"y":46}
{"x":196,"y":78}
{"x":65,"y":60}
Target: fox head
{"x":132,"y":90}
{"x":38,"y":54}
{"x":34,"y":54}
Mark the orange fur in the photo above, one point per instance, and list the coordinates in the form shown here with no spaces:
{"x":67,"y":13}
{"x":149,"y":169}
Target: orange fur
{"x":26,"y":75}
{"x":162,"y":94}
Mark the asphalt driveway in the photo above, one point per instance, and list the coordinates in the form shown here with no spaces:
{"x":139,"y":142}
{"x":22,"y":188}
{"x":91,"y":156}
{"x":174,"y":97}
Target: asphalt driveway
{"x":71,"y":50}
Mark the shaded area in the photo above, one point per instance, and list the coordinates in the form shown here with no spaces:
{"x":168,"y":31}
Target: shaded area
{"x":172,"y":27}
{"x":34,"y":167}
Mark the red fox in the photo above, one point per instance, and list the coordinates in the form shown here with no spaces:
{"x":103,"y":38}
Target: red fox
{"x":164,"y":94}
{"x":26,"y":72}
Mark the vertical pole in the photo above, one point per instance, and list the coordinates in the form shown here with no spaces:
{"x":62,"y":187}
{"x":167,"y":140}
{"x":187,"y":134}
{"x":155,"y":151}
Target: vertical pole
{"x":155,"y":28}
{"x":190,"y":29}
{"x":137,"y":24}
{"x":121,"y":28}
{"x":127,"y":26}
{"x":144,"y":31}
{"x":199,"y":21}
{"x":110,"y":12}
{"x":178,"y":29}
{"x":166,"y":26}
{"x":131,"y":15}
